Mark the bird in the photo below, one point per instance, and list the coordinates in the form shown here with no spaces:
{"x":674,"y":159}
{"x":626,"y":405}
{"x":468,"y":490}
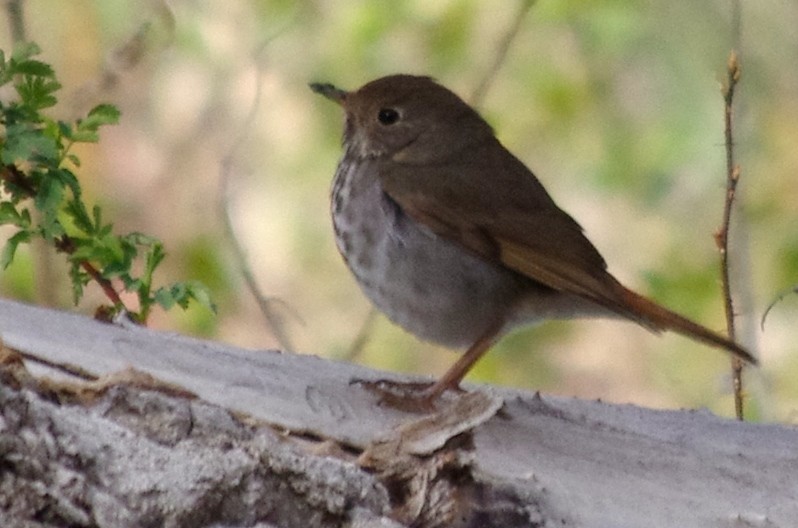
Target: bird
{"x":454,"y":239}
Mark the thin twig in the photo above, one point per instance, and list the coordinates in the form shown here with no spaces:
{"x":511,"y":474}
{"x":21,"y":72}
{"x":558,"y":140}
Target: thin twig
{"x":780,"y":297}
{"x":65,"y":244}
{"x":501,"y":53}
{"x":16,"y":20}
{"x":722,"y":235}
{"x":265,"y":303}
{"x":126,"y":56}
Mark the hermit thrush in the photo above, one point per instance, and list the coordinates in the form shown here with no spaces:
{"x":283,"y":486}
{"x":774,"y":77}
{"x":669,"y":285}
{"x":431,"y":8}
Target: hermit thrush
{"x":453,"y":238}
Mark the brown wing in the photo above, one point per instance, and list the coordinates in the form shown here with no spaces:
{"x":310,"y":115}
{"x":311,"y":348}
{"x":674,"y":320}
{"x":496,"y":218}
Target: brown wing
{"x":506,"y":216}
{"x":489,"y":202}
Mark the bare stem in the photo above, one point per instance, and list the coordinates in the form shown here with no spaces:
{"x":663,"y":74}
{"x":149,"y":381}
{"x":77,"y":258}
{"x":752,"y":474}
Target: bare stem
{"x":722,"y":236}
{"x":501,"y":53}
{"x":66,"y":245}
{"x":16,"y":20}
{"x":265,"y":303}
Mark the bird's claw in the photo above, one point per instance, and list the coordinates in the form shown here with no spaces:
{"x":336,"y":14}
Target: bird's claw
{"x":405,"y":396}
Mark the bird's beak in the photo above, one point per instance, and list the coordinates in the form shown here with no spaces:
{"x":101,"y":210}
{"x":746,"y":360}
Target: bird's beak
{"x":330,"y":92}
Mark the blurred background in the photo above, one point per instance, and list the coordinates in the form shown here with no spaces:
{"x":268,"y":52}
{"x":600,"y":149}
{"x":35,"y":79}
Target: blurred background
{"x":615,"y":105}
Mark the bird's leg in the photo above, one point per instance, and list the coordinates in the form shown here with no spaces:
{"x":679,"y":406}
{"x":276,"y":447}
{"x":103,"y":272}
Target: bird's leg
{"x":451,"y":378}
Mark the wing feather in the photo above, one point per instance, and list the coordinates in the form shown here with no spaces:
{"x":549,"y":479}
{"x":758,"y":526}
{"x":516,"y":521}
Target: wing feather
{"x":522,"y":229}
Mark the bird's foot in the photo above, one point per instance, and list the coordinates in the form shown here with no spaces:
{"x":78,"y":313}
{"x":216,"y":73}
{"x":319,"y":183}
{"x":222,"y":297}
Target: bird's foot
{"x":414,"y":397}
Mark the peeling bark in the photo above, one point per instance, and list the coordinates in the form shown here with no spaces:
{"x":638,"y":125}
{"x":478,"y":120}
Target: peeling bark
{"x":152,"y":429}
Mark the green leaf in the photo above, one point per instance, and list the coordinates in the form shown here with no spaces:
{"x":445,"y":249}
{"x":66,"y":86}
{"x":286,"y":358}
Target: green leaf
{"x":10,"y":215}
{"x":85,"y":136}
{"x":96,"y":214}
{"x":79,"y":279}
{"x":83,"y":250}
{"x":24,"y":50}
{"x":37,"y":92}
{"x":20,"y":63}
{"x":131,"y":284}
{"x":68,"y":179}
{"x":80,"y":217}
{"x":154,"y":256}
{"x":51,"y":191}
{"x":182,"y":293}
{"x":26,"y":143}
{"x":33,"y":68}
{"x":165,"y":298}
{"x":65,"y":129}
{"x":86,"y":129}
{"x":140,"y":239}
{"x":201,"y":294}
{"x":48,"y":202}
{"x":5,"y":75}
{"x":103,"y":114}
{"x":10,"y":249}
{"x":115,"y":255}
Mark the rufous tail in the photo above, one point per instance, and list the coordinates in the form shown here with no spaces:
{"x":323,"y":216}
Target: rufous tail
{"x":659,"y":318}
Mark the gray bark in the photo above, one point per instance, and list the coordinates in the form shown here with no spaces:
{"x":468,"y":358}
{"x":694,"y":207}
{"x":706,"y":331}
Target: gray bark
{"x":181,"y":432}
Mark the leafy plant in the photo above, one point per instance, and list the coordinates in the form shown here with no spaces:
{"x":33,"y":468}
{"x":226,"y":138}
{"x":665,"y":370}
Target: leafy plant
{"x":41,"y":197}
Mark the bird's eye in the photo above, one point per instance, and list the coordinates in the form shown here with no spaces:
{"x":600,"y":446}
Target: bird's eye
{"x":388,"y":116}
